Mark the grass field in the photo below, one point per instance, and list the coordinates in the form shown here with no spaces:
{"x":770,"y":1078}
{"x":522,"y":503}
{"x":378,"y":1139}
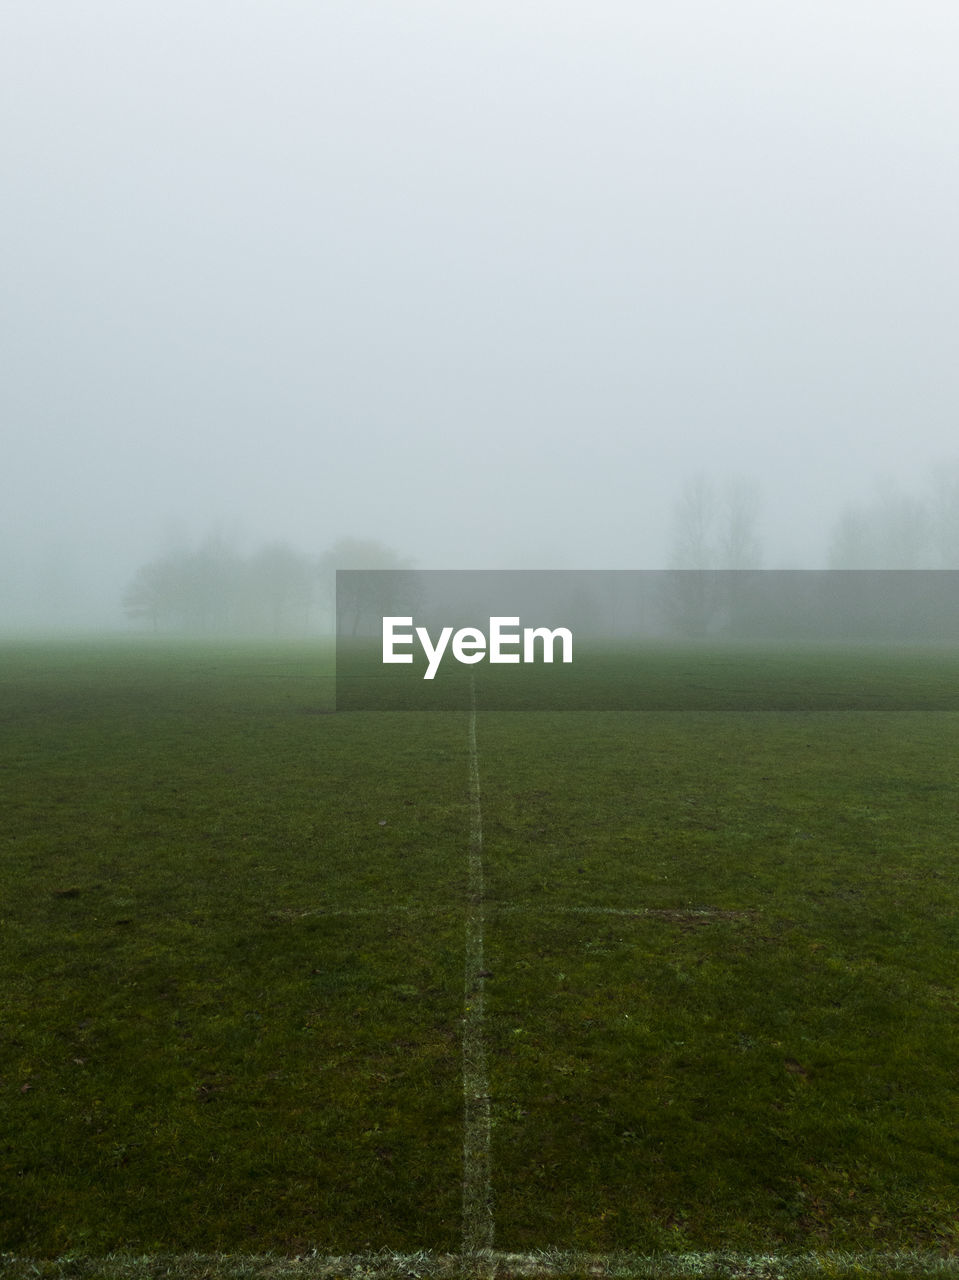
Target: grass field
{"x":664,"y":993}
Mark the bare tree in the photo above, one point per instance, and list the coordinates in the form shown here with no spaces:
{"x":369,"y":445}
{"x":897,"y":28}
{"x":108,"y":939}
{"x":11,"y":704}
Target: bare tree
{"x":695,"y":522}
{"x":849,"y":545}
{"x":153,"y":595}
{"x":739,"y":545}
{"x":712,"y":529}
{"x":282,"y":587}
{"x":894,"y":531}
{"x":369,"y":598}
{"x":944,"y":516}
{"x":716,"y":528}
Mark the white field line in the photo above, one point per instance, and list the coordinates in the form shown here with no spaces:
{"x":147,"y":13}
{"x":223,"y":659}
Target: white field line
{"x":522,"y":908}
{"x":548,"y":1264}
{"x":477,"y":1209}
{"x":657,"y":913}
{"x":388,"y":909}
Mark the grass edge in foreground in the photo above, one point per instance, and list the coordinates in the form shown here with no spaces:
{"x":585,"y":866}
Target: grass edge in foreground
{"x":547,"y":1264}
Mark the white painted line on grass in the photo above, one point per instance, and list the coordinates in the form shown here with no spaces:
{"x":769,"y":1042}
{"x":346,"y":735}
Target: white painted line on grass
{"x":477,"y":1208}
{"x":517,"y":908}
{"x":391,"y":909}
{"x":657,"y":913}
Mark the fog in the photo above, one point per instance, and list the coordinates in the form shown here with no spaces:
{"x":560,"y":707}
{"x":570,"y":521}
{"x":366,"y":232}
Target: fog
{"x":492,"y":285}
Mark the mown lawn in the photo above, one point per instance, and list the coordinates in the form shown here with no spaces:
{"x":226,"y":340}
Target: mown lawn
{"x":721,"y":944}
{"x":756,"y":1049}
{"x":198,"y":1051}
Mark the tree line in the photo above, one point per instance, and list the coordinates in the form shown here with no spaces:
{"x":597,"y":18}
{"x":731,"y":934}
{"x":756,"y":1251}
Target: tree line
{"x":717,"y":526}
{"x":276,"y":590}
{"x":898,"y":530}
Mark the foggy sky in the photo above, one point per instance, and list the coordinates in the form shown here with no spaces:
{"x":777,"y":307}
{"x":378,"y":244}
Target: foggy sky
{"x":485,"y":281}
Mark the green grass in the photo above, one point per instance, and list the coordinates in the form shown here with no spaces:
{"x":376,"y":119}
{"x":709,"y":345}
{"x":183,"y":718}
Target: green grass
{"x":232,"y":973}
{"x":197,"y":1053}
{"x":774,"y":1075}
{"x":657,"y":676}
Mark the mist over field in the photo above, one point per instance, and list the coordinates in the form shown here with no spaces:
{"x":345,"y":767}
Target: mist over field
{"x":539,"y":363}
{"x":519,"y":285}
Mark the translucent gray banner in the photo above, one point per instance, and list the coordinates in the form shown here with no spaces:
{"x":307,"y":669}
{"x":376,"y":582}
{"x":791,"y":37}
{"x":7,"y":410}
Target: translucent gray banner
{"x":647,"y":640}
